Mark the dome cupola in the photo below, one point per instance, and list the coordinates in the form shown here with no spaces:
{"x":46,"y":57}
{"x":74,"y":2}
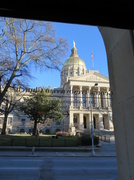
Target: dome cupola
{"x":73,"y":66}
{"x":74,"y":58}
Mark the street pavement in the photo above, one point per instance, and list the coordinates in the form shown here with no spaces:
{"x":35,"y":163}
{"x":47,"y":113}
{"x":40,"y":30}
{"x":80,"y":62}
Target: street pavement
{"x":58,"y":168}
{"x":58,"y":163}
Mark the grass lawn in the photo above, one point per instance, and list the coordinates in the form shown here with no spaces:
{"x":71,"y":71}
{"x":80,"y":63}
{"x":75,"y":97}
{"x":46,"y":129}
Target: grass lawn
{"x":41,"y":141}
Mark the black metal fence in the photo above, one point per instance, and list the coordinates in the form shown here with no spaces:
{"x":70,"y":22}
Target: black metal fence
{"x":52,"y":142}
{"x":104,"y":138}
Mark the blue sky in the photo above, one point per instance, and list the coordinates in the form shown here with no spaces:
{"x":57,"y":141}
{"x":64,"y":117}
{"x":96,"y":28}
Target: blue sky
{"x":87,"y":39}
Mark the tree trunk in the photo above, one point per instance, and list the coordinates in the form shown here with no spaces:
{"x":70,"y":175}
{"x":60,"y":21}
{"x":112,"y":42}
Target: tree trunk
{"x":35,"y":127}
{"x":4,"y":124}
{"x":2,"y":94}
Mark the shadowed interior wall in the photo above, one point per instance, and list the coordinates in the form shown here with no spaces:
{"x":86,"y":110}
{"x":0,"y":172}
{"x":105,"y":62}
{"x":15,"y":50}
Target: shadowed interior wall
{"x":120,"y":55}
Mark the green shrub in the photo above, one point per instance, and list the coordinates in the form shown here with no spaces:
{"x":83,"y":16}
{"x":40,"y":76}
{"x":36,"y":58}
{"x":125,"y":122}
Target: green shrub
{"x":86,"y":140}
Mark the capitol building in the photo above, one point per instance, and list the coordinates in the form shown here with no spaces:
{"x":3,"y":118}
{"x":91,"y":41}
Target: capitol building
{"x":84,"y":91}
{"x":81,"y":92}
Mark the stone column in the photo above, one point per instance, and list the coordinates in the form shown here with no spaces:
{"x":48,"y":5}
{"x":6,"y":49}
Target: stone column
{"x":96,"y":99}
{"x":89,"y":126}
{"x":81,"y":125}
{"x":104,"y":100}
{"x":71,"y":95}
{"x":108,"y":100}
{"x":98,"y":122}
{"x":88,"y":98}
{"x":99,"y":98}
{"x":71,"y":123}
{"x":101,"y":121}
{"x":80,"y":97}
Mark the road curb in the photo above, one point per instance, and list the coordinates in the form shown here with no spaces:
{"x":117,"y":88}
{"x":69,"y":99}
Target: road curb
{"x":50,"y":149}
{"x":69,"y":156}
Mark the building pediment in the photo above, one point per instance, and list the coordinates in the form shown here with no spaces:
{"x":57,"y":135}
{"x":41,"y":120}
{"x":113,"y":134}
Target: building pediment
{"x":90,"y":77}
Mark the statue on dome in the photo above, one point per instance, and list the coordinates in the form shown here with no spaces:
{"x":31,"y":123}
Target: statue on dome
{"x":73,"y":43}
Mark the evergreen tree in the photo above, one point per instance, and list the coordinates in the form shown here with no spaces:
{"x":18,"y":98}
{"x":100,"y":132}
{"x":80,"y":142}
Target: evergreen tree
{"x":40,"y":106}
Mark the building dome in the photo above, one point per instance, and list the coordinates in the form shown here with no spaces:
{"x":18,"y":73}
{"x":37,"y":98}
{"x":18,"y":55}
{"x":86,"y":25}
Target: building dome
{"x":74,"y":61}
{"x":74,"y":58}
{"x":73,"y":66}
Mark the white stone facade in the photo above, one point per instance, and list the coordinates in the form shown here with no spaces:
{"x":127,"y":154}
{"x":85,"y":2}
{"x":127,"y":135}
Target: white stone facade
{"x":78,"y":90}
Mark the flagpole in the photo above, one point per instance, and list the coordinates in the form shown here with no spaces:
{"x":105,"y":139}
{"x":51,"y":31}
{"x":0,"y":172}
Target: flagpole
{"x":92,"y":64}
{"x":92,"y":61}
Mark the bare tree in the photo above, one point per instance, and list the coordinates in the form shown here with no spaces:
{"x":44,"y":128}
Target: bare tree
{"x":40,"y":126}
{"x":47,"y":123}
{"x":24,"y":43}
{"x":10,"y":102}
{"x":16,"y":125}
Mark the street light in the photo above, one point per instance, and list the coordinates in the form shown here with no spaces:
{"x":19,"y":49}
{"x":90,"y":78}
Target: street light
{"x":92,"y":128}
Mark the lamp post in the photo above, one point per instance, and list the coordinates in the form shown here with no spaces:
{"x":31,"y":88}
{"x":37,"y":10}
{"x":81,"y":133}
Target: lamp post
{"x":92,"y":128}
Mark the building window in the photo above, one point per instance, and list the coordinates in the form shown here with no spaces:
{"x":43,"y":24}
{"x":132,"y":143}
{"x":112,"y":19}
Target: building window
{"x":102,"y":105}
{"x":94,"y":122}
{"x":84,"y":99}
{"x":10,"y":120}
{"x":22,"y":131}
{"x":47,"y":131}
{"x":85,"y":122}
{"x":23,"y":121}
{"x":93,"y":99}
{"x":74,"y":99}
{"x":75,"y":121}
{"x":1,"y":120}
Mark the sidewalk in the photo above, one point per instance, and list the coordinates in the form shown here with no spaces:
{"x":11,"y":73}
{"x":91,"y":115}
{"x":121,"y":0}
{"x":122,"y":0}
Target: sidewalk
{"x":106,"y":150}
{"x":49,"y":149}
